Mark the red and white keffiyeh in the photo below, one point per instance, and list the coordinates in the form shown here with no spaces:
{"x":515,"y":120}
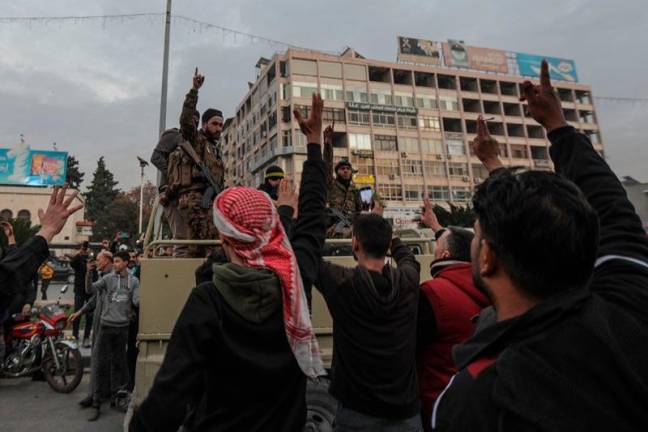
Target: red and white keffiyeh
{"x":249,"y":223}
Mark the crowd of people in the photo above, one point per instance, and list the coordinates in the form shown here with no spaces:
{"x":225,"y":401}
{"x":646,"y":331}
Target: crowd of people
{"x":534,"y":319}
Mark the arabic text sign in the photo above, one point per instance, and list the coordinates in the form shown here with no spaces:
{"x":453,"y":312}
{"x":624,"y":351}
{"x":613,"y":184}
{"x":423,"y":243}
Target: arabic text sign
{"x":28,"y":167}
{"x":559,"y":69}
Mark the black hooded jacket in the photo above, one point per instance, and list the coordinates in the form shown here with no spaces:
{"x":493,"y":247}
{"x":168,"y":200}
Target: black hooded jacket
{"x":577,"y":361}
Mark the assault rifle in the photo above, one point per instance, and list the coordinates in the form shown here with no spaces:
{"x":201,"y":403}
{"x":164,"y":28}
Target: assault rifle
{"x":214,"y":188}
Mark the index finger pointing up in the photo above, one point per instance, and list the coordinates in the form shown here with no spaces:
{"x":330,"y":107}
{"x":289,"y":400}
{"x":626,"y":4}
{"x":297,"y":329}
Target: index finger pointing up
{"x":545,"y":81}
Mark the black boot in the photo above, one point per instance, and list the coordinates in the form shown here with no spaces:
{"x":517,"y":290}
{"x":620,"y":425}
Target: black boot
{"x":86,"y":402}
{"x":95,"y":412}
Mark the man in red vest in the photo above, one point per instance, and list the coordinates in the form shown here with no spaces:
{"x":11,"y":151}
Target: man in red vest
{"x":448,"y":306}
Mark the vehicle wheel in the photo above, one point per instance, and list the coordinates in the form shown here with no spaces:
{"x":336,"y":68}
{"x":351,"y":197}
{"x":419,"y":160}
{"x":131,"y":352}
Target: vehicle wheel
{"x":321,"y":406}
{"x":68,"y":376}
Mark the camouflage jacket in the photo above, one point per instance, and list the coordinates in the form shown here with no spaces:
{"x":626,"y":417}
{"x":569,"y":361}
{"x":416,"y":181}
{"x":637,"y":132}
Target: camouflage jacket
{"x":345,"y":199}
{"x":183,"y":174}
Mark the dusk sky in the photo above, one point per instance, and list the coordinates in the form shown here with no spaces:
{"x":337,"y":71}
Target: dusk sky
{"x":93,"y":86}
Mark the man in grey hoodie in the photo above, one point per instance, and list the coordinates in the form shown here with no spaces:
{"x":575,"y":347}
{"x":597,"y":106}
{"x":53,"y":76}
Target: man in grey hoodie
{"x":103,"y":265}
{"x":118,"y":292}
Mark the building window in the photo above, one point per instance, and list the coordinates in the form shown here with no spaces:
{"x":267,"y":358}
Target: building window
{"x":434,"y":169}
{"x":330,"y":69}
{"x":333,"y":115}
{"x":384,"y":119}
{"x":303,"y":90}
{"x":287,"y":138}
{"x":363,"y":165}
{"x":357,"y":94}
{"x":413,"y":193}
{"x":429,"y":123}
{"x":390,"y":192}
{"x":449,"y":103}
{"x":455,"y":147}
{"x":407,"y":121}
{"x":439,"y":193}
{"x":355,"y":72}
{"x":359,"y":141}
{"x":461,"y":194}
{"x":358,"y":117}
{"x":412,"y":168}
{"x":300,"y":140}
{"x":519,"y":151}
{"x":403,"y":99}
{"x":388,"y":167}
{"x":458,"y":169}
{"x":304,"y":67}
{"x":431,"y":146}
{"x":428,"y":102}
{"x":409,"y":145}
{"x":382,"y":97}
{"x":385,"y":143}
{"x":332,"y":92}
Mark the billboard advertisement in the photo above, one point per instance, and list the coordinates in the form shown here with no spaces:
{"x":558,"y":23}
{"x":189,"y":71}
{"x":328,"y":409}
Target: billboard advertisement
{"x":418,"y":50}
{"x":559,"y":69}
{"x":23,"y":166}
{"x":456,"y":53}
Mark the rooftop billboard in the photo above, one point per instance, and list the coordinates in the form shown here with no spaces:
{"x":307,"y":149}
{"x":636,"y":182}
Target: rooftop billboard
{"x":23,"y":166}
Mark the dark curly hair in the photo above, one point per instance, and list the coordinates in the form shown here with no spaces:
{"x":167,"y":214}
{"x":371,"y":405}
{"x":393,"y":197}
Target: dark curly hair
{"x":541,"y":227}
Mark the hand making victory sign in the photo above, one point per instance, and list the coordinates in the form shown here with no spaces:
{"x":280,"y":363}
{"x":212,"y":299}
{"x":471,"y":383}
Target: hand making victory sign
{"x":486,"y":147}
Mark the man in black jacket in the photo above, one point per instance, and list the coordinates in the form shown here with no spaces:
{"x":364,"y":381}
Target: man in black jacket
{"x":374,"y":310}
{"x":16,"y":269}
{"x":232,"y":352}
{"x":79,"y":264}
{"x":568,"y":351}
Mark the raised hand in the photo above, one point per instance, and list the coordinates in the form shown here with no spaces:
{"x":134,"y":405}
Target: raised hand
{"x":58,"y":211}
{"x":286,"y":194}
{"x":328,"y":135}
{"x":429,"y":218}
{"x":378,"y":209}
{"x":8,"y":231}
{"x":312,"y":126}
{"x":486,"y":147}
{"x":198,"y":80}
{"x":544,"y":104}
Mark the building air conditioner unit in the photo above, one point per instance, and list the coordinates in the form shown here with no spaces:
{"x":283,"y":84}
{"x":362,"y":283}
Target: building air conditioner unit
{"x":449,"y":157}
{"x":403,"y":154}
{"x":440,"y":157}
{"x":466,"y":179}
{"x":392,"y":177}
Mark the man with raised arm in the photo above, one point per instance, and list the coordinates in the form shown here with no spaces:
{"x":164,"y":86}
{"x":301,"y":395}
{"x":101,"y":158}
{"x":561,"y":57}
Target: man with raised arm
{"x":565,"y":260}
{"x":243,"y":344}
{"x":187,"y":182}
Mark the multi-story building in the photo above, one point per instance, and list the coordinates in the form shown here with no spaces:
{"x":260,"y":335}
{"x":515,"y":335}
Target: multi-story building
{"x":406,"y":128}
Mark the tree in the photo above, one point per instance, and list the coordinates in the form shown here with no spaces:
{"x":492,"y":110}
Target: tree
{"x":101,"y":193}
{"x":74,"y":175}
{"x":456,"y":216}
{"x":150,"y":192}
{"x":120,"y":215}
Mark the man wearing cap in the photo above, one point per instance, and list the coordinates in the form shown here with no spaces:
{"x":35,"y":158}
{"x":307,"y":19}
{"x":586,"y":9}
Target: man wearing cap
{"x":343,"y":194}
{"x":273,"y":177}
{"x":187,"y":183}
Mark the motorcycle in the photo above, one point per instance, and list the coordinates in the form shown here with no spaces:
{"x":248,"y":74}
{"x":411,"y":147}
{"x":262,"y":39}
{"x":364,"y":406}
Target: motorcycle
{"x":39,"y":345}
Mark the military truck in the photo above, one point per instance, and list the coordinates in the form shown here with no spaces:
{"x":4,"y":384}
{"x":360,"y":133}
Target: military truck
{"x":166,"y":283}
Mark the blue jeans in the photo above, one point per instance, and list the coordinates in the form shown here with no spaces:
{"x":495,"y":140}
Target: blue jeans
{"x":347,"y":420}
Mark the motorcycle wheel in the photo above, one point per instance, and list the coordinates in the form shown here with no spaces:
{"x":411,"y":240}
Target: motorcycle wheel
{"x":321,"y":406}
{"x":70,"y":372}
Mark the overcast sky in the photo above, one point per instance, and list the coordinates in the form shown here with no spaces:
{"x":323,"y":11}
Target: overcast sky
{"x":93,"y":87}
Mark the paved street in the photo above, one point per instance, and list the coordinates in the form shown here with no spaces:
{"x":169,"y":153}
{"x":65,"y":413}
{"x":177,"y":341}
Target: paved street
{"x":30,"y":405}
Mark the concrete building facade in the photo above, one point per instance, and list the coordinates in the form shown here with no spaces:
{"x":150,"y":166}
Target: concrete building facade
{"x":23,"y":202}
{"x":406,"y":128}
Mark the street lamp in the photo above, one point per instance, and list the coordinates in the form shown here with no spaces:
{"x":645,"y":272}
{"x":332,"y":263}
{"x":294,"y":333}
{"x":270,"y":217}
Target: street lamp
{"x":142,"y":164}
